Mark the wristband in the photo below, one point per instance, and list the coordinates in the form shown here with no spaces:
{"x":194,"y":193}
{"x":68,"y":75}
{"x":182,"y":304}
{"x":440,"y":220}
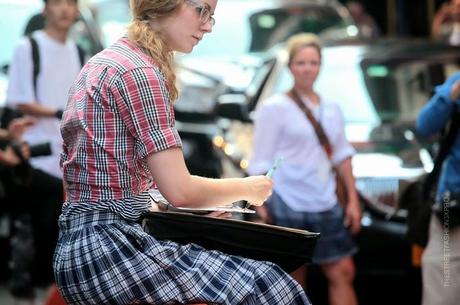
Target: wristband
{"x":58,"y":114}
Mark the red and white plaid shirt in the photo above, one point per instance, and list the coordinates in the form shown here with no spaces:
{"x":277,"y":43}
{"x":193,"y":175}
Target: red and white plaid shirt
{"x":118,"y":113}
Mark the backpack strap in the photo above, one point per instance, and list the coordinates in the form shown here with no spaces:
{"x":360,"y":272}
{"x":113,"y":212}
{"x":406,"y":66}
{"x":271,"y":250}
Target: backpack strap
{"x":446,"y":143}
{"x":81,"y":55}
{"x":35,"y":61}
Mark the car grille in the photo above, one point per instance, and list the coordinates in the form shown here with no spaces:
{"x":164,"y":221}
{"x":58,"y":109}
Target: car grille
{"x":380,"y":190}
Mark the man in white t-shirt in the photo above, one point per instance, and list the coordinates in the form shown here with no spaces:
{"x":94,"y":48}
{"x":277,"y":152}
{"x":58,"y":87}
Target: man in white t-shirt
{"x":43,"y":97}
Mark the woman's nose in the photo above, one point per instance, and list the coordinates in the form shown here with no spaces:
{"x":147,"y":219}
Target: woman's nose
{"x":207,"y":26}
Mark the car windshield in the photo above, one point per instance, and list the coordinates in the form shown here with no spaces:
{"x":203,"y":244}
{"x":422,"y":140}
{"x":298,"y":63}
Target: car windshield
{"x":249,"y":26}
{"x":13,"y":18}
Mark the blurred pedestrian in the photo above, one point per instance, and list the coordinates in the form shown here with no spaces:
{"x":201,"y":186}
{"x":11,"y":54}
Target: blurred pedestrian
{"x":119,"y":141}
{"x":441,"y":258}
{"x":305,"y":183}
{"x":364,"y":21}
{"x":446,"y":22}
{"x":43,"y":67}
{"x":8,"y":156}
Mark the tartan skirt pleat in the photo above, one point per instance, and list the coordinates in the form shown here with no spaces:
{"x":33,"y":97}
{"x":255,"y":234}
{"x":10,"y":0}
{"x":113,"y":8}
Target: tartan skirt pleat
{"x":102,"y":258}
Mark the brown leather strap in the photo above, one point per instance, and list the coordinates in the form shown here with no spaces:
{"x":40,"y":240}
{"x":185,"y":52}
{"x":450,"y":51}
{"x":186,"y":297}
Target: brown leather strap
{"x":341,"y":189}
{"x":322,"y":137}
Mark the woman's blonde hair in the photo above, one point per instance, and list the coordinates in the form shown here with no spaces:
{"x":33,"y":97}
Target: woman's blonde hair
{"x":141,"y":33}
{"x":298,"y":41}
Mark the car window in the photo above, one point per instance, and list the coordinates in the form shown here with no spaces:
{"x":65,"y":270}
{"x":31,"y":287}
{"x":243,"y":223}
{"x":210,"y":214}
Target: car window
{"x":400,"y":90}
{"x":270,"y":27}
{"x":112,"y":16}
{"x":87,"y":39}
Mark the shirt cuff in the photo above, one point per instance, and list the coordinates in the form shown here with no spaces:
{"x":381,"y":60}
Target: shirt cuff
{"x":343,"y":154}
{"x":158,"y":140}
{"x":258,"y":167}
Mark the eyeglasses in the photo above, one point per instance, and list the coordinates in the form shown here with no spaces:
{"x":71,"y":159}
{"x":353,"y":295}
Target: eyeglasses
{"x":203,"y":10}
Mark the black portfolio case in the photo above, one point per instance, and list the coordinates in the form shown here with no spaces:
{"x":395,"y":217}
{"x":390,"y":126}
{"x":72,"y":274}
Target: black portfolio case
{"x":288,"y":248}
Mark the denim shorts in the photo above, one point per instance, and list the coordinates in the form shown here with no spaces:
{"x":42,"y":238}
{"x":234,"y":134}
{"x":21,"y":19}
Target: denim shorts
{"x":335,"y":241}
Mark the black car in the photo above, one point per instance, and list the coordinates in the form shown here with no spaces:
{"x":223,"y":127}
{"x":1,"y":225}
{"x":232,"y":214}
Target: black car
{"x":380,"y":87}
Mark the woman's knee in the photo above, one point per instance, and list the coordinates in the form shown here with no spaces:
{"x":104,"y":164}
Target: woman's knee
{"x":342,"y":270}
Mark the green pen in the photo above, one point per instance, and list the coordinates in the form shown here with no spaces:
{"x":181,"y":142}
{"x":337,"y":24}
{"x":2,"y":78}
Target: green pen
{"x":274,"y":166}
{"x":270,"y":173}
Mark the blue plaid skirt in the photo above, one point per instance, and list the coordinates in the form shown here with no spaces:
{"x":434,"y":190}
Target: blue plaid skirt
{"x":103,"y":258}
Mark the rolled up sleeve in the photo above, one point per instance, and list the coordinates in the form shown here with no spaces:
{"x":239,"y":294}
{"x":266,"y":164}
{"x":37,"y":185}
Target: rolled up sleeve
{"x":146,"y":110}
{"x":342,"y":149}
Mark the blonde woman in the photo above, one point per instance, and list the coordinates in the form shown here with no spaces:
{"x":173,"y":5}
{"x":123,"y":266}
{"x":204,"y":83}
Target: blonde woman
{"x":119,"y":140}
{"x":304,"y":190}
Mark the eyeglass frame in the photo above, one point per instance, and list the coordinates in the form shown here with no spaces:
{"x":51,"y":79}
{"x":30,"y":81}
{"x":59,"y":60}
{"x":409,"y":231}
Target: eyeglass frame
{"x":202,"y":10}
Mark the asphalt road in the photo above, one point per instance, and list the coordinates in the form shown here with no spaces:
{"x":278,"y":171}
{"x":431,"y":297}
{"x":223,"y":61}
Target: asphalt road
{"x":7,"y":299}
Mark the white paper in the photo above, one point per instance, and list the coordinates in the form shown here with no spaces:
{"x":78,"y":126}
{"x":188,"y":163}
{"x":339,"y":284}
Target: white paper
{"x":163,"y":204}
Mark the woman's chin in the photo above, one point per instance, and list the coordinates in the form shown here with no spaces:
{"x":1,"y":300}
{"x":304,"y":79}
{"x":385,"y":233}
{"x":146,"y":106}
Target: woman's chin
{"x":185,"y":50}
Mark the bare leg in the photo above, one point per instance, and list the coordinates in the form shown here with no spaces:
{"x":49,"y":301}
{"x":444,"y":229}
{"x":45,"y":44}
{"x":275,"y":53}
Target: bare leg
{"x":340,"y":276}
{"x":300,"y":275}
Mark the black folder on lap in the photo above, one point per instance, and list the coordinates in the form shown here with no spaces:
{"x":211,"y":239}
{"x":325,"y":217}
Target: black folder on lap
{"x":286,"y":247}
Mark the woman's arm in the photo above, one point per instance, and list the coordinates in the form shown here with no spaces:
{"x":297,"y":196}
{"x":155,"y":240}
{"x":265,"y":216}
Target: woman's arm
{"x":436,"y":113}
{"x":18,"y":126}
{"x":182,"y":189}
{"x":352,"y":208}
{"x":38,"y":110}
{"x":10,"y":158}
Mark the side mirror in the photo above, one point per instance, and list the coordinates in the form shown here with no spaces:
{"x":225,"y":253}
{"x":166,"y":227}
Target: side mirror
{"x":233,"y":106}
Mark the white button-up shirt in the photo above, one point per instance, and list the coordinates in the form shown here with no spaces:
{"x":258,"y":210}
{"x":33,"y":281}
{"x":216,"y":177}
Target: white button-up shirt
{"x":305,"y":179}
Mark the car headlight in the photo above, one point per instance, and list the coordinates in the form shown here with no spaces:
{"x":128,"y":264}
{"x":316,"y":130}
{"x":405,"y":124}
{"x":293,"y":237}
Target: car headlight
{"x":196,"y":93}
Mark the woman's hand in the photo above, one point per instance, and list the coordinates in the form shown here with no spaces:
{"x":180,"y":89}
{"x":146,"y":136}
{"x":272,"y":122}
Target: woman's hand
{"x":9,"y":157}
{"x":263,"y":216}
{"x":17,"y":126}
{"x":455,"y":91}
{"x":353,"y":215}
{"x":260,"y":188}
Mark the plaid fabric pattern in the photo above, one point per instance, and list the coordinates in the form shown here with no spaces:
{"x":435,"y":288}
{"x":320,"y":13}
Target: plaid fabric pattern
{"x":118,"y":113}
{"x":102,"y":258}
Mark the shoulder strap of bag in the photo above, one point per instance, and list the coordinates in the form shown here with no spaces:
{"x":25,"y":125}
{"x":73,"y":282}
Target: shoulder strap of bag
{"x":322,"y":137}
{"x":445,"y":145}
{"x":35,"y":61}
